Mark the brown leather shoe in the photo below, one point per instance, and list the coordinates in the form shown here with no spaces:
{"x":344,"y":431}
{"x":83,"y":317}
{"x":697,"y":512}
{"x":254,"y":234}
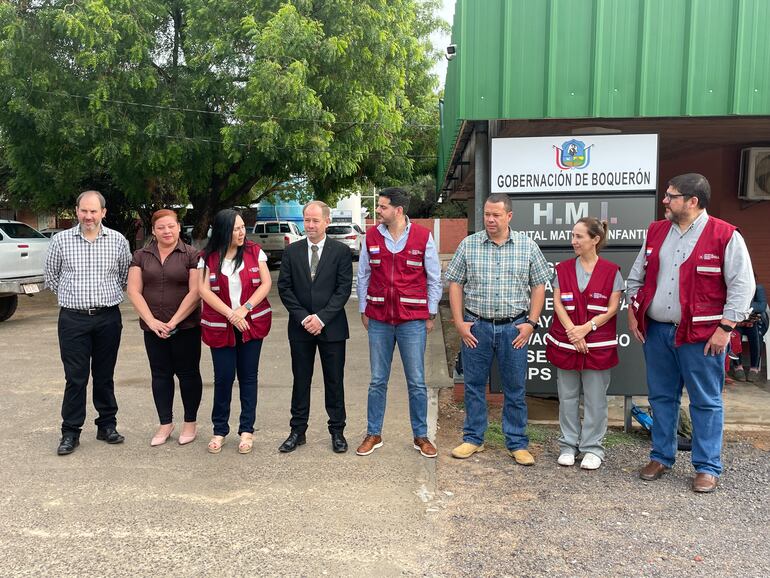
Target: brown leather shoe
{"x":704,"y":483}
{"x":369,"y":444}
{"x":426,"y":448}
{"x":652,"y":471}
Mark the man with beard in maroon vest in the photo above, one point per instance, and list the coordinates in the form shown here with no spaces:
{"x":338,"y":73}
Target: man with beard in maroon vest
{"x":691,"y":283}
{"x":399,"y":287}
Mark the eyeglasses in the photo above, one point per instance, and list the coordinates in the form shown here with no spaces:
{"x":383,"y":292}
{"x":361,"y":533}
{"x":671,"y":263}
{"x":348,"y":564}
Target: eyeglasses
{"x":670,"y":196}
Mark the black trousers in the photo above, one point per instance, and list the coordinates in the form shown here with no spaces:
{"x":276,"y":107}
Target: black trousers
{"x":89,"y":344}
{"x":333,"y":366}
{"x":178,"y":355}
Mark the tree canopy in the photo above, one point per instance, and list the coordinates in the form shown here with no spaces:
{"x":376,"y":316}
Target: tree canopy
{"x":213,"y":102}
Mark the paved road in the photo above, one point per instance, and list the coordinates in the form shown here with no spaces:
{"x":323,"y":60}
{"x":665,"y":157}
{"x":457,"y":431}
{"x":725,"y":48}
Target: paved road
{"x":176,"y":510}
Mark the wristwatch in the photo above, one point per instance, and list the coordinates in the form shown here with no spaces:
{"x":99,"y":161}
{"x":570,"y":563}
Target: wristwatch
{"x":726,"y":327}
{"x":593,"y":325}
{"x":534,"y":324}
{"x":248,"y":305}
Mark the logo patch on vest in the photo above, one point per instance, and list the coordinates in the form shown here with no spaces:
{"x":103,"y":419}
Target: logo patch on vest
{"x":414,"y":252}
{"x":598,"y":296}
{"x":648,"y":252}
{"x":709,"y":257}
{"x":374,"y":250}
{"x":567,"y":297}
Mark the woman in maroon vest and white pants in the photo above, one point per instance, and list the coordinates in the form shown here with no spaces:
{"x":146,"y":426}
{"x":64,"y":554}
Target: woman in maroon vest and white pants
{"x":582,"y":342}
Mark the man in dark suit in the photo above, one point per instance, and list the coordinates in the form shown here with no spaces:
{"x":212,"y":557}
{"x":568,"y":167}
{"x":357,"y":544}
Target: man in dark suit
{"x":314,"y":284}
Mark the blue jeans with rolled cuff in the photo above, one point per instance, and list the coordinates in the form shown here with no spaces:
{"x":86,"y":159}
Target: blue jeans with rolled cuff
{"x":411,"y":337}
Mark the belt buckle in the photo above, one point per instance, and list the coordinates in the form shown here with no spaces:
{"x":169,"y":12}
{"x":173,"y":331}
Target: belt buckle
{"x":92,"y":311}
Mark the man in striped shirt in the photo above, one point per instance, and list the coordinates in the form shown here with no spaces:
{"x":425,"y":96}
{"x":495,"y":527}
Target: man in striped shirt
{"x":501,"y":274}
{"x":87,"y":268}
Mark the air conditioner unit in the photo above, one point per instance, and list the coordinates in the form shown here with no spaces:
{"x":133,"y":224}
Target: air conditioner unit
{"x":754,"y":183}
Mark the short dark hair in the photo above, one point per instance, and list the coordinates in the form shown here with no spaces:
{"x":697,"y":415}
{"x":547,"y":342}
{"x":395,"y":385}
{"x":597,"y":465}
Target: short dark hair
{"x":693,"y":185}
{"x":398,"y":197}
{"x":503,"y":198}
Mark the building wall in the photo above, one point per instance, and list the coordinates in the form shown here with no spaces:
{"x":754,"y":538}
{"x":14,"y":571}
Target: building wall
{"x":721,"y":167}
{"x":449,"y":233}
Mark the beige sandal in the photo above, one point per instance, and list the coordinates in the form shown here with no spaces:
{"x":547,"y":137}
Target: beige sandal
{"x":216,"y":443}
{"x":247,"y":441}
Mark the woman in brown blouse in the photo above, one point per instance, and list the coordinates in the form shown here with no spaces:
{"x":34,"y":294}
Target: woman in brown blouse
{"x":163,"y":288}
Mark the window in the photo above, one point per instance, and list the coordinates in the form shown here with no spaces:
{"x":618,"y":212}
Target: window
{"x":339,"y":230}
{"x":20,"y":231}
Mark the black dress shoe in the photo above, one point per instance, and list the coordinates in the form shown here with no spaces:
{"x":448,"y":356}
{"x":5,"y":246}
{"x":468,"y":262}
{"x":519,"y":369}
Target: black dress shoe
{"x":295,"y":439}
{"x":67,"y":444}
{"x":339,"y":443}
{"x":109,"y":435}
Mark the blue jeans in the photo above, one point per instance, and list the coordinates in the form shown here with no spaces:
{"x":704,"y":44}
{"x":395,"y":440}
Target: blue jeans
{"x":755,"y":344}
{"x":668,"y":369}
{"x":243,"y":360}
{"x":495,"y":341}
{"x":410,"y":337}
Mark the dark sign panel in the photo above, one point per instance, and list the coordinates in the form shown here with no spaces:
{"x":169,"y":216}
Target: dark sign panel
{"x":549,"y":221}
{"x":628,"y":378}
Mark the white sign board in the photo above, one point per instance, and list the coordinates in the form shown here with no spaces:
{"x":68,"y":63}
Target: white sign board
{"x":571,"y":164}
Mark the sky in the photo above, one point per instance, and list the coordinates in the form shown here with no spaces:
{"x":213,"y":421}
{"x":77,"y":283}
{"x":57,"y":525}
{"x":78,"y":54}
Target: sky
{"x":442,"y":40}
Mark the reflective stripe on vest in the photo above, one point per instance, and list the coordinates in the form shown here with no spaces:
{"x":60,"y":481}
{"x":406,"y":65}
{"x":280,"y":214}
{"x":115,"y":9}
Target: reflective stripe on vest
{"x":261,"y":313}
{"x":591,"y":345}
{"x":212,"y":323}
{"x":415,"y":301}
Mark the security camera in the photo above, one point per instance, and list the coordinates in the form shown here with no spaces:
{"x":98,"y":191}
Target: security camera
{"x":451,"y":50}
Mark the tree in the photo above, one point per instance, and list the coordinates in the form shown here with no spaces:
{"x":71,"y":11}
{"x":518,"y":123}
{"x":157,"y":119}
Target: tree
{"x":215,"y":103}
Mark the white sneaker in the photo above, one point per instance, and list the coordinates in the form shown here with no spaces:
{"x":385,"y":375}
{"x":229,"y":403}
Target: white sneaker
{"x":591,"y":462}
{"x":566,"y":459}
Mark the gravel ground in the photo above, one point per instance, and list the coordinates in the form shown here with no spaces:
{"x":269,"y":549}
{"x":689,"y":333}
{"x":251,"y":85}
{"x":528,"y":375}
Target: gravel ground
{"x":506,"y":520}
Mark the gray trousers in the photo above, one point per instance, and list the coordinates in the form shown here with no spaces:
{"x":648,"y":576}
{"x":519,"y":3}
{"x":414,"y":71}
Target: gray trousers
{"x":594,"y":384}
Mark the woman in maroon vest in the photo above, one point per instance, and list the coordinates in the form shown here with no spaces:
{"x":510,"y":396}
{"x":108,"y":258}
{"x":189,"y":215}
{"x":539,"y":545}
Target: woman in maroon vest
{"x":582,"y":342}
{"x":236,"y":316}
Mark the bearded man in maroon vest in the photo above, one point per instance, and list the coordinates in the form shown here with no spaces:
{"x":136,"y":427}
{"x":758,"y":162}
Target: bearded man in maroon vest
{"x":691,"y":283}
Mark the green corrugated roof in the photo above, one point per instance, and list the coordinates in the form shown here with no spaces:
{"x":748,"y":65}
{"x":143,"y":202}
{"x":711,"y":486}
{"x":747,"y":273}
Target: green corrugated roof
{"x":534,"y":59}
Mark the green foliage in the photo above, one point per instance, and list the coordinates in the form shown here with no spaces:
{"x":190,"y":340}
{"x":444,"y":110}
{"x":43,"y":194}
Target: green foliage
{"x":216,"y":103}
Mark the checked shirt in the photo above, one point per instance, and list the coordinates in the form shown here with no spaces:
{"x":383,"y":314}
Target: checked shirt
{"x":85,"y":274}
{"x":497,"y":278}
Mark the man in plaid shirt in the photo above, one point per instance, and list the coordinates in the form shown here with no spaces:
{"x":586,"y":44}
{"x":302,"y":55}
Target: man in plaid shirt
{"x":87,"y":268}
{"x":494,"y":270}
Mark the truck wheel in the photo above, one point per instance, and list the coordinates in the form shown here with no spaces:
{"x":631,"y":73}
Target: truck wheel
{"x":8,"y":306}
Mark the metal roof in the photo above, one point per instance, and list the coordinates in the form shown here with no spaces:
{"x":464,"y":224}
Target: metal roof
{"x":539,"y":59}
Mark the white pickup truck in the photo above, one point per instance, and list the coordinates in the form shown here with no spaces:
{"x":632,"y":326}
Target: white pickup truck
{"x":274,"y":237}
{"x":22,"y":256}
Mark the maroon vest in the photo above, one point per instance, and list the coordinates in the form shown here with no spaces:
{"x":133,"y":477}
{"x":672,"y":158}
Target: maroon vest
{"x":398,"y":284}
{"x":216,"y":331}
{"x":581,"y":306}
{"x":702,"y":288}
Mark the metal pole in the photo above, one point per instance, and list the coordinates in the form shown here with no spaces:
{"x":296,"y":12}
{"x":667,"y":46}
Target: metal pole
{"x":482,"y":167}
{"x":627,"y":403}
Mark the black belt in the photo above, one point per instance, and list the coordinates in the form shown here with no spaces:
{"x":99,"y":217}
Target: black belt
{"x":500,"y":321}
{"x":91,"y":311}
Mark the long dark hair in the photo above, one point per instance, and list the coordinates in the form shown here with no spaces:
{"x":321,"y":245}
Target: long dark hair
{"x":221,"y":236}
